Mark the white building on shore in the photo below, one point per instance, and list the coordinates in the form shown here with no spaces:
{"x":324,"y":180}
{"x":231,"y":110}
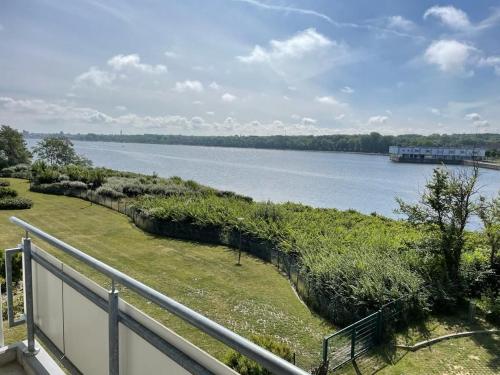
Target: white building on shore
{"x":452,"y":155}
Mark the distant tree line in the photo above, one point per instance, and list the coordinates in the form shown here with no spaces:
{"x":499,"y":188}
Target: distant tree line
{"x":371,"y":143}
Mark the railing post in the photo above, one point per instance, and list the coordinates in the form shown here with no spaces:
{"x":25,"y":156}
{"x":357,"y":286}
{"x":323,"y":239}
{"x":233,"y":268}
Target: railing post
{"x":114,"y":354}
{"x":1,"y":320}
{"x":379,"y":326}
{"x":28,"y":294}
{"x":353,"y":342}
{"x":325,"y":350}
{"x":8,"y":289}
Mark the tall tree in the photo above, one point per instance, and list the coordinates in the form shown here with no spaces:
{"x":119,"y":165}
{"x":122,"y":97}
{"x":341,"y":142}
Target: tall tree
{"x":13,"y":149}
{"x":445,"y":208}
{"x":58,"y":151}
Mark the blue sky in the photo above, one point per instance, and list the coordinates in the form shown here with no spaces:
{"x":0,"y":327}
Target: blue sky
{"x":250,"y":66}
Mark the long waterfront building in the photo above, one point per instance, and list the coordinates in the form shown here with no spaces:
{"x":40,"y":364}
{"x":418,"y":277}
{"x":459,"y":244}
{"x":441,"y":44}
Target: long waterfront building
{"x":451,"y":155}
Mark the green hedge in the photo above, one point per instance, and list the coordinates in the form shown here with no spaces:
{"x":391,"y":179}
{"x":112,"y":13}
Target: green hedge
{"x":15,"y":203}
{"x":17,"y":171}
{"x":7,"y":192}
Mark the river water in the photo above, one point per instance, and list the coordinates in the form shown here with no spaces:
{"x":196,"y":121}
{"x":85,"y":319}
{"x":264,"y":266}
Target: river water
{"x":367,"y":183}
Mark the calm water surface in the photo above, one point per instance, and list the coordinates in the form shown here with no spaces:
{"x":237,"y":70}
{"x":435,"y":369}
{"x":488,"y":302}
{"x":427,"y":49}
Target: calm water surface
{"x":366,"y":183}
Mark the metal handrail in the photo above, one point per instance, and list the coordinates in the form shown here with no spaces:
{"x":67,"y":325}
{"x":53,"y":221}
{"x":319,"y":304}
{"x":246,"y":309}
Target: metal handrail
{"x":262,"y":356}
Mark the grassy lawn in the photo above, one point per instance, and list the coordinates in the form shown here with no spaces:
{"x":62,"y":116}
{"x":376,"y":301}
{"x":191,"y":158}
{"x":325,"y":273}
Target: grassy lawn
{"x":253,"y":298}
{"x":473,"y":355}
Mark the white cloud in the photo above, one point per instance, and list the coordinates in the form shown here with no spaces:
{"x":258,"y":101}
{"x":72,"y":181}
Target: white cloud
{"x":214,"y":86}
{"x":133,"y":62}
{"x":378,"y":120}
{"x":227,"y":97}
{"x":340,"y":117}
{"x":481,"y":123}
{"x":308,"y":121}
{"x":449,"y":55}
{"x":492,"y":61}
{"x":458,"y":20}
{"x":59,"y":111}
{"x":330,"y":100}
{"x":210,"y":113}
{"x":171,"y":54}
{"x":189,"y":85}
{"x":473,"y":116}
{"x":450,"y":16}
{"x":96,"y":77}
{"x":435,"y":111}
{"x":347,"y":90}
{"x":303,"y":55}
{"x":400,"y":23}
{"x":297,"y":46}
{"x":477,"y":120}
{"x":121,"y":108}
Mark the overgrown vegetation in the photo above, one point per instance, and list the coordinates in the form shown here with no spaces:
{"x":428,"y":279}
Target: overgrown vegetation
{"x":354,"y":263}
{"x":245,"y":366}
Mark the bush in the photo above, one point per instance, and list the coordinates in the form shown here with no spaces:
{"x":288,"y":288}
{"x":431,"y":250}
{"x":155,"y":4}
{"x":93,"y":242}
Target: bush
{"x":490,"y":306}
{"x":133,"y":190}
{"x":60,"y":188}
{"x":7,"y":192}
{"x":42,"y":173}
{"x":246,"y":366}
{"x":15,"y":203}
{"x":4,"y":183}
{"x":16,"y":171}
{"x":106,"y":191}
{"x":475,"y":272}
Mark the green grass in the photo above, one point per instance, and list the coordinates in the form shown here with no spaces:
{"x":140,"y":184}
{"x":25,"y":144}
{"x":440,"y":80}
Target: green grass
{"x":253,"y":298}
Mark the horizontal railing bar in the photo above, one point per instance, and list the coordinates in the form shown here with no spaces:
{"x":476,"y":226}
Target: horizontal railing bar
{"x":352,"y":325}
{"x":366,"y":327}
{"x":267,"y":359}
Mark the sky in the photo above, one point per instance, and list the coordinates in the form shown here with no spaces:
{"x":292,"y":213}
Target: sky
{"x":250,"y":67}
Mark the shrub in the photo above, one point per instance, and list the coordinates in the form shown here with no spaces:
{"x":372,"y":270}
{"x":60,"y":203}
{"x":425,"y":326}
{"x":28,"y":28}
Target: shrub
{"x":42,"y":173}
{"x":133,"y":190}
{"x":4,"y":183}
{"x":246,"y":366}
{"x":96,"y":177}
{"x":16,"y":171}
{"x":7,"y":192}
{"x":15,"y":203}
{"x":106,"y":191}
{"x":59,"y":188}
{"x":475,"y":272}
{"x":490,"y":306}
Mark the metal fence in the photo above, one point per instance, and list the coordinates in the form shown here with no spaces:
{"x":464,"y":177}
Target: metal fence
{"x":356,"y":339}
{"x":267,"y":359}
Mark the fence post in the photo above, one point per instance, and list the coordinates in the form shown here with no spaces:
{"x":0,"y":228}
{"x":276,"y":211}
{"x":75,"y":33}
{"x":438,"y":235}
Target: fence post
{"x":114,"y":359}
{"x":325,"y":350}
{"x":379,"y":326}
{"x":353,"y":342}
{"x":28,"y":294}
